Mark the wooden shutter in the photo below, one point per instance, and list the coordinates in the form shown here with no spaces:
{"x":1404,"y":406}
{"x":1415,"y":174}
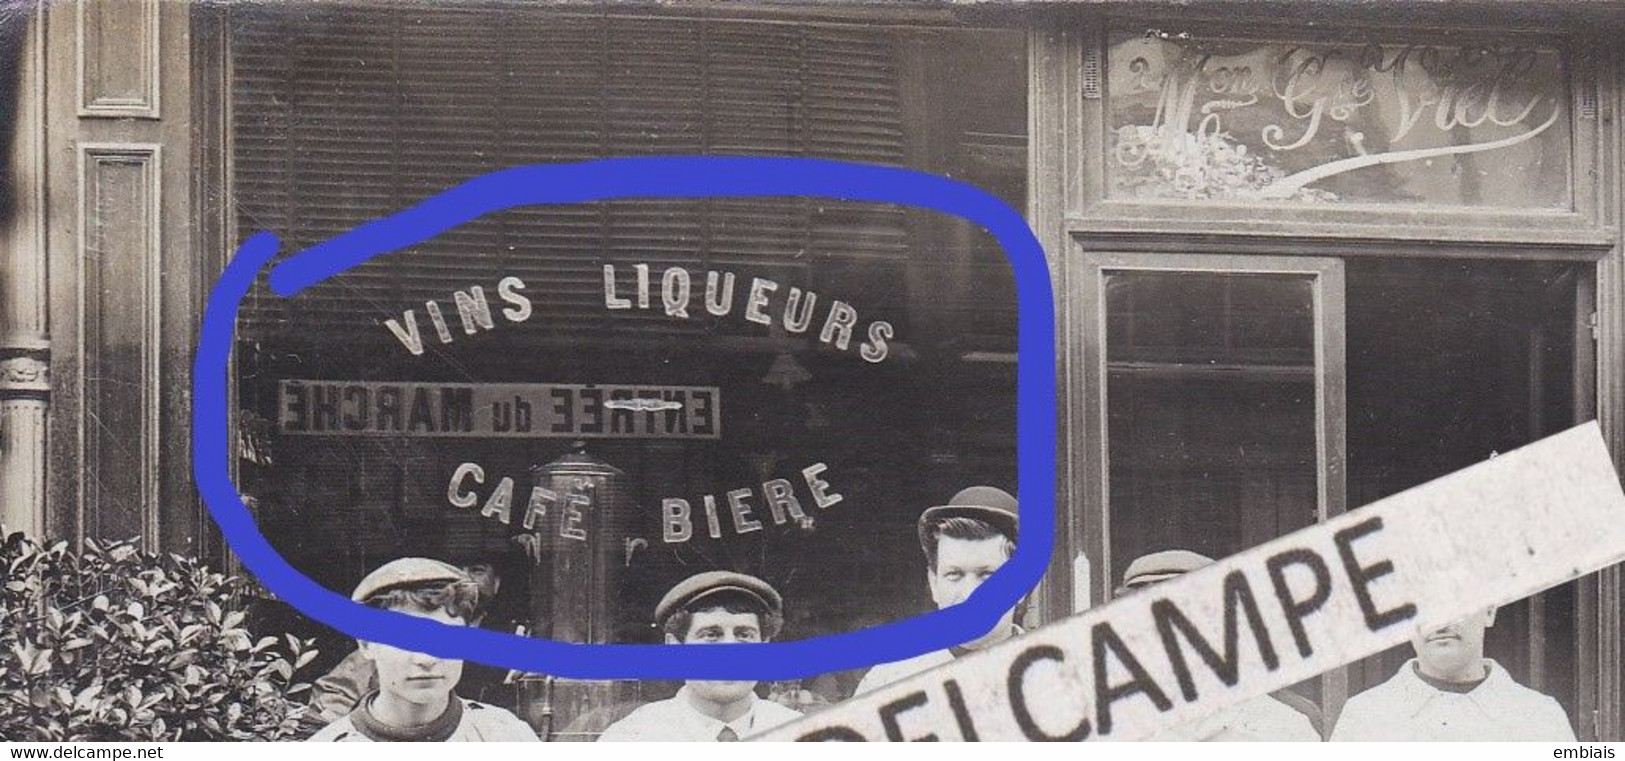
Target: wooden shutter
{"x":346,"y":114}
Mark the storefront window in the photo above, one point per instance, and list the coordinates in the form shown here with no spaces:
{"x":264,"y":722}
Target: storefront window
{"x":1198,"y":115}
{"x":613,"y":357}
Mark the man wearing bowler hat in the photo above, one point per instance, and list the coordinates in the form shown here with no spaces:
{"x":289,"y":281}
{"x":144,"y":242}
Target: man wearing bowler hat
{"x":715,"y":607}
{"x":965,"y":542}
{"x":1264,"y":718}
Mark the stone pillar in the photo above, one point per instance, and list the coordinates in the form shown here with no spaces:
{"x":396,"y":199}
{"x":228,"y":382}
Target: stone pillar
{"x":25,"y":349}
{"x":24,"y":392}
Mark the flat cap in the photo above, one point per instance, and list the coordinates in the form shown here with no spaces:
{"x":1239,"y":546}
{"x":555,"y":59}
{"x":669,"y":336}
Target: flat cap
{"x":992,"y":506}
{"x":1162,"y":566}
{"x":407,"y":572}
{"x":703,"y":585}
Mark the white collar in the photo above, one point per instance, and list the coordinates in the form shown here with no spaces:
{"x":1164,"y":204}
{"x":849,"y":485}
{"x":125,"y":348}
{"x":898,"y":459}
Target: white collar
{"x":1491,"y":695}
{"x":741,"y":726}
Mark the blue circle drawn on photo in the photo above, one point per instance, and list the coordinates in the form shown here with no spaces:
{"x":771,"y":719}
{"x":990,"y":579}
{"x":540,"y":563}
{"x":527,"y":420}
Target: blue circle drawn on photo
{"x":644,"y":178}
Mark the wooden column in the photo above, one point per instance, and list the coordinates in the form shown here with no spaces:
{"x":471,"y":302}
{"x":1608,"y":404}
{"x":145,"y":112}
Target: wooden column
{"x":1609,"y":719}
{"x":124,"y":275}
{"x":1052,"y":72}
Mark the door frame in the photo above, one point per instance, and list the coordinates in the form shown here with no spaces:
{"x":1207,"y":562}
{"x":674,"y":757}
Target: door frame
{"x":1086,"y":284}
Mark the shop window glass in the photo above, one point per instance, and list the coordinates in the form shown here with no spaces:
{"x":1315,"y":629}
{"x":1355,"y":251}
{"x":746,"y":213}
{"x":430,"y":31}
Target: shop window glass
{"x":345,"y":113}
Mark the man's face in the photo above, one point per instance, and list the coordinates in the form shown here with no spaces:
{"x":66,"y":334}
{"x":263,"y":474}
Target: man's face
{"x":716,"y":626}
{"x":486,"y":578}
{"x":1454,"y":649}
{"x":962,"y":566}
{"x":415,"y":677}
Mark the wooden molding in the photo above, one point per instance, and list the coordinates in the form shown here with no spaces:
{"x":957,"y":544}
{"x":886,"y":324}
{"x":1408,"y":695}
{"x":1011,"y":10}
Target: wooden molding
{"x":119,"y":314}
{"x":121,"y":85}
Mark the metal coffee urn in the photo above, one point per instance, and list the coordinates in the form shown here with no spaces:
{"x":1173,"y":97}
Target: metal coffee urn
{"x":575,"y":588}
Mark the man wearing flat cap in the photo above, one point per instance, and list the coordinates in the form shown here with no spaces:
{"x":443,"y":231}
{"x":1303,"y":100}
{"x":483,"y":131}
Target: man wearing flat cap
{"x":715,"y":607}
{"x":965,"y":542}
{"x":413,"y":700}
{"x":336,"y":693}
{"x":1264,"y":718}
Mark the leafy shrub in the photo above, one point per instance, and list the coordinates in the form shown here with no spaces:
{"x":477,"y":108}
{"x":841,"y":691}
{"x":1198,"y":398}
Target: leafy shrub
{"x":111,"y":643}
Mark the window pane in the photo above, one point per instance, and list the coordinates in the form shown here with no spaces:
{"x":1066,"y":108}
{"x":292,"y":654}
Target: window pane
{"x":344,"y":113}
{"x":1211,"y":410}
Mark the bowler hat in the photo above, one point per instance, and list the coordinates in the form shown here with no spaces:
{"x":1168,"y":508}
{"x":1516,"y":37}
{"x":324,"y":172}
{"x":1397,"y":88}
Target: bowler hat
{"x":992,"y":506}
{"x":703,"y":585}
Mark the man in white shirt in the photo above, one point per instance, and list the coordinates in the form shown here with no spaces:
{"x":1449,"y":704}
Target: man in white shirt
{"x":1262,"y":719}
{"x":964,"y":541}
{"x":413,"y":700}
{"x":335,"y":694}
{"x":716,"y":607}
{"x":1451,"y":692}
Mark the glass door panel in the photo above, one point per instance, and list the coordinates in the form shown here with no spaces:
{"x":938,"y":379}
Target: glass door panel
{"x":1215,"y":407}
{"x":1211,"y":410}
